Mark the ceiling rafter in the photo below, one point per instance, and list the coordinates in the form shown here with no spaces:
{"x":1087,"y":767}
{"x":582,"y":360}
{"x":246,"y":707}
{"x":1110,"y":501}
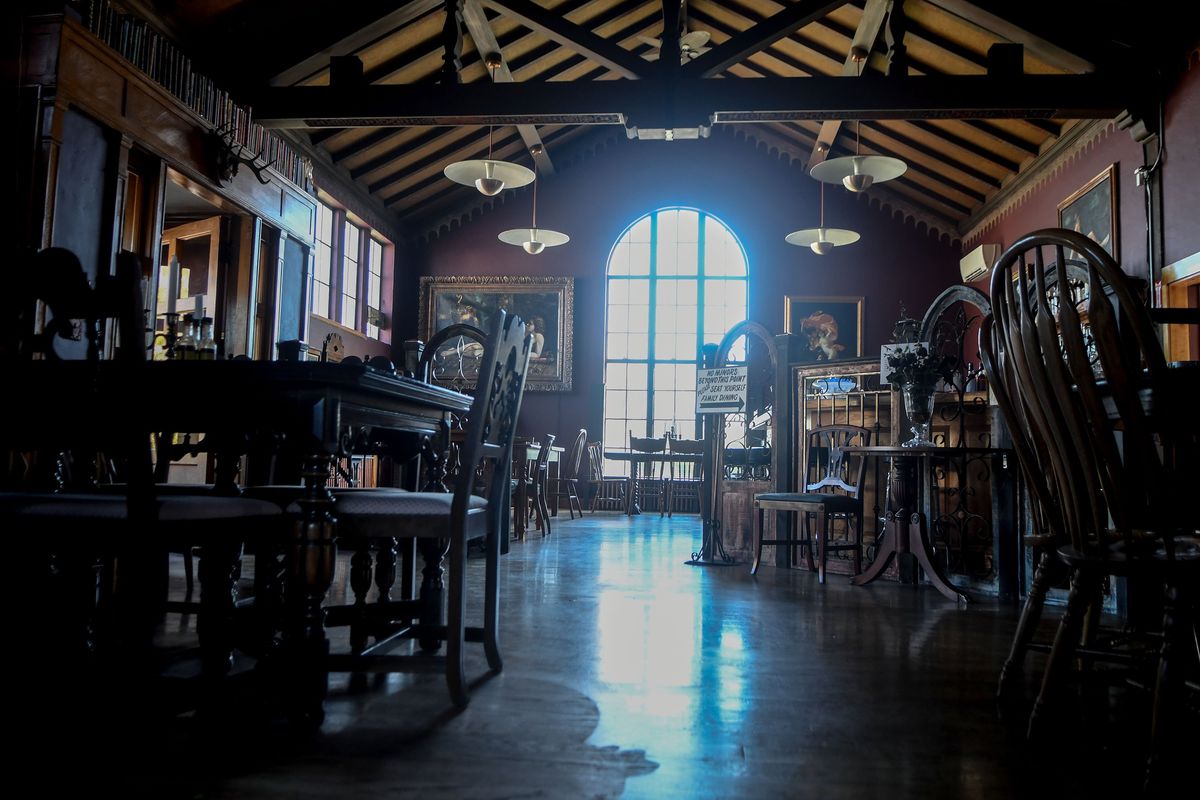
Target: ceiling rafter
{"x":759,"y":37}
{"x":568,"y":34}
{"x":485,"y":42}
{"x":864,"y":42}
{"x":353,"y":28}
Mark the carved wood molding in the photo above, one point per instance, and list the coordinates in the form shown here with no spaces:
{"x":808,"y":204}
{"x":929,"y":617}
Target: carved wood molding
{"x":1080,"y":138}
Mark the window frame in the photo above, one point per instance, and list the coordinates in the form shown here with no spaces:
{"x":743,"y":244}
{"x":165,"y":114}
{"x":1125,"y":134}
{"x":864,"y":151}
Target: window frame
{"x":654,"y":278}
{"x":340,"y":223}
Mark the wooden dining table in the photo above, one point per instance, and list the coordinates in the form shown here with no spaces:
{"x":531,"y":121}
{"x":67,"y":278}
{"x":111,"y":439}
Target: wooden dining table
{"x":320,"y":411}
{"x":640,"y":460}
{"x":906,"y":528}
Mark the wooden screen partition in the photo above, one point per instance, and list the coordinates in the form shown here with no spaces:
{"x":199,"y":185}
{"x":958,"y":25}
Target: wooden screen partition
{"x":841,"y":393}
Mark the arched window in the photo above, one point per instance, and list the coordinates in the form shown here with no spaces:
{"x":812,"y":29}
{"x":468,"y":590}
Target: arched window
{"x":676,"y":280}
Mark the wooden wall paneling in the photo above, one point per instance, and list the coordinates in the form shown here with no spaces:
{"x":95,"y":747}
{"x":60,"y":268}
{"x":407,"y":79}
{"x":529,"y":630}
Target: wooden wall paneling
{"x":94,"y":78}
{"x":266,"y":292}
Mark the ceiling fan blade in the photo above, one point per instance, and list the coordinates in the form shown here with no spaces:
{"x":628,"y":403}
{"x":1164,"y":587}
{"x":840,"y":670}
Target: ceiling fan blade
{"x":695,"y":39}
{"x":699,"y":51}
{"x":650,"y":40}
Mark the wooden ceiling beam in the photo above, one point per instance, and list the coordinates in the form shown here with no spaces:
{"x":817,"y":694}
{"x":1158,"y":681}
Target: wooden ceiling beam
{"x":864,"y":42}
{"x":759,"y":37}
{"x":485,"y":42}
{"x":690,"y":103}
{"x":553,"y":26}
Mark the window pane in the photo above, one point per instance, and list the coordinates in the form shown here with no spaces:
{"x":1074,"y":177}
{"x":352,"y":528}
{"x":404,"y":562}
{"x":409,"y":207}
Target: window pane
{"x":668,"y":257}
{"x":636,"y":405}
{"x":641,"y":231}
{"x":639,"y":258}
{"x":618,"y":263}
{"x":618,"y":345}
{"x":639,"y":345}
{"x":689,"y":226}
{"x":616,"y":376}
{"x":350,"y":256}
{"x":639,"y":291}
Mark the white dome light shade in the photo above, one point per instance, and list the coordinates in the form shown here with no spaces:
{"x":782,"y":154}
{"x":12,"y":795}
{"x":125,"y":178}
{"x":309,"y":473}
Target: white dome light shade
{"x":822,"y":240}
{"x":534,"y":240}
{"x":857,"y":173}
{"x":488,"y":176}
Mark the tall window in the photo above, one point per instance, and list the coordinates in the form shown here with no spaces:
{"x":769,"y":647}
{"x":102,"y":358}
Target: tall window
{"x":676,"y":280}
{"x":347,"y":276}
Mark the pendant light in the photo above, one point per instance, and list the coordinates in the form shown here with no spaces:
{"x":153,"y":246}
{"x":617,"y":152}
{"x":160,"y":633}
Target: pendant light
{"x":822,"y":240}
{"x":858,"y":172}
{"x":533,"y":238}
{"x":487,"y":175}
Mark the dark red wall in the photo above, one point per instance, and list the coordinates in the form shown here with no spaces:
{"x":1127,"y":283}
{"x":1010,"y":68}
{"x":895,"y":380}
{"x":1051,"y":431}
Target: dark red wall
{"x":760,"y":196}
{"x":1181,"y":170}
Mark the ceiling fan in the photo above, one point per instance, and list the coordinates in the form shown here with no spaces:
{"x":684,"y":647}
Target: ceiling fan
{"x":691,"y":45}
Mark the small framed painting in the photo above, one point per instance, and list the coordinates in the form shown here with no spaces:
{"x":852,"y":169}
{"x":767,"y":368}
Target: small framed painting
{"x":833,"y":326}
{"x":1092,"y":211}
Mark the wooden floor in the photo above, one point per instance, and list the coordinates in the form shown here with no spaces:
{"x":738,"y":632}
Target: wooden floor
{"x":631,"y":674}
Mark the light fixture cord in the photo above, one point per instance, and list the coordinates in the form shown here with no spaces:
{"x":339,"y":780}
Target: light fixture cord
{"x":535,"y":183}
{"x":858,"y":122}
{"x":822,"y":213}
{"x":493,"y":71}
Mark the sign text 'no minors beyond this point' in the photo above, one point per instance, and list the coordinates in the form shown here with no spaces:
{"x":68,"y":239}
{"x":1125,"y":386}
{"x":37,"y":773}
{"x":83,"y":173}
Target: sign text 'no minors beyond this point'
{"x":722,"y":390}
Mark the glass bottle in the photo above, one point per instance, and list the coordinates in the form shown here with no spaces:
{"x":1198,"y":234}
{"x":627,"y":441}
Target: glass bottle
{"x":206,"y":348}
{"x":185,"y":348}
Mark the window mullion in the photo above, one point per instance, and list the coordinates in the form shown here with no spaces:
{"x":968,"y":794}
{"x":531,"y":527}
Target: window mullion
{"x":652,"y":315}
{"x":700,"y":282}
{"x":336,"y":249}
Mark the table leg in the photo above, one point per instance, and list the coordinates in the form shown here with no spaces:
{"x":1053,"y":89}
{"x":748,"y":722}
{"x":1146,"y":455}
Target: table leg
{"x":885,"y":552}
{"x":631,"y":502}
{"x":310,"y":574}
{"x":906,"y":530}
{"x":918,"y":541}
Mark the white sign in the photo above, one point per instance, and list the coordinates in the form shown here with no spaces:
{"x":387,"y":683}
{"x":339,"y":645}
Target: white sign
{"x":721,"y":391}
{"x":889,"y":349}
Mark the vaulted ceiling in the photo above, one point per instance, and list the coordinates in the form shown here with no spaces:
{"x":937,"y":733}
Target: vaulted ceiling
{"x":963,"y":142}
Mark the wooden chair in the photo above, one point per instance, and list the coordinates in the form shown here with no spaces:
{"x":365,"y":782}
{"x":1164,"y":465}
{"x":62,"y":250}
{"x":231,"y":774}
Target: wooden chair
{"x":605,"y":489}
{"x":451,"y":356}
{"x":683,"y":477}
{"x":434,"y":517}
{"x":532,"y":489}
{"x":1037,"y":473}
{"x":113,"y":545}
{"x":833,"y":490}
{"x":1120,"y":444}
{"x":651,"y":479}
{"x":567,"y":485}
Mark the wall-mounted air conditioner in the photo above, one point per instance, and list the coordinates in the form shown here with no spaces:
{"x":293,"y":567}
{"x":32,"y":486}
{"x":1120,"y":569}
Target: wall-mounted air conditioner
{"x":975,"y":264}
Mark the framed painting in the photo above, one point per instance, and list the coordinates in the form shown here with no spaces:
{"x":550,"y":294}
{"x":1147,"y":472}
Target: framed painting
{"x":545,"y":304}
{"x":1092,"y":211}
{"x":833,"y":326}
